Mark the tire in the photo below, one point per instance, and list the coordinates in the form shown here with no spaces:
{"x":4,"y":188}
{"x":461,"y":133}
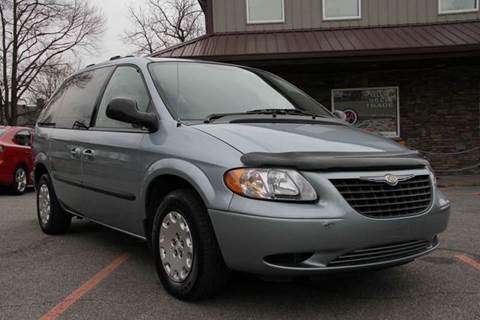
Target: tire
{"x":20,"y":181}
{"x":206,"y":273}
{"x":52,"y":218}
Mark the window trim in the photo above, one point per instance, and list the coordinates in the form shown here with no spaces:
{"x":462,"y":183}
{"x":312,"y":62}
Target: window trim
{"x":399,"y":128}
{"x":446,"y":12}
{"x":250,"y":22}
{"x":358,"y":17}
{"x":150,"y":108}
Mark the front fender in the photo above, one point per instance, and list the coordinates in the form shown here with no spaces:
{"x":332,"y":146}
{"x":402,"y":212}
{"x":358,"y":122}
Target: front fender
{"x":40,"y":158}
{"x":212,"y":190}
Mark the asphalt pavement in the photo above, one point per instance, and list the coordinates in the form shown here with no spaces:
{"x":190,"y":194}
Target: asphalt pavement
{"x":96,"y":273}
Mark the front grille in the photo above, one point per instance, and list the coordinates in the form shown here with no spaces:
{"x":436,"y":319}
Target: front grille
{"x":383,"y":253}
{"x":380,"y":200}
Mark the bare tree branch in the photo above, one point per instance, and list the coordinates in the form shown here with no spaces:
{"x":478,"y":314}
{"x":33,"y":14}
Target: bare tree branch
{"x":36,"y":36}
{"x":162,"y":23}
{"x":49,"y":79}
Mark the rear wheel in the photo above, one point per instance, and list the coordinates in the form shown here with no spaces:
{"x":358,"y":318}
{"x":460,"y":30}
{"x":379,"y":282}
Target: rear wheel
{"x":20,"y":181}
{"x":188,"y":260}
{"x":51,"y":217}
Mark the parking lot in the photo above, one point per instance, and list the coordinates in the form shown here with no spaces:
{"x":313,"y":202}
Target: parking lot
{"x":95,"y":273}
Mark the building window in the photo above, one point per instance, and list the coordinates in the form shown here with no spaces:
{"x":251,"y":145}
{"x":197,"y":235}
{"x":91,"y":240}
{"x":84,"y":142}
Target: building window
{"x":265,"y":11}
{"x":457,"y":6}
{"x":342,"y":9}
{"x":371,"y":109}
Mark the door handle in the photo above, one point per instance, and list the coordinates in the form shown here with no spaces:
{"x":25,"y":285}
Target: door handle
{"x":88,"y":154}
{"x":75,"y":152}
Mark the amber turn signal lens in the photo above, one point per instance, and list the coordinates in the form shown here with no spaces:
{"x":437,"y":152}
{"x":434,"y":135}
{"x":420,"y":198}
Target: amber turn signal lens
{"x":232,"y":180}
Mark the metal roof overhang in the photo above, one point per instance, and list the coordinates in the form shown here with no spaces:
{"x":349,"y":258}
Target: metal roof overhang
{"x":392,"y":42}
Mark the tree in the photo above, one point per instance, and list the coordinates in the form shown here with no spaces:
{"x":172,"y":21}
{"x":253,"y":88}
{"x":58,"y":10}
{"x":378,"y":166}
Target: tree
{"x":48,"y":80}
{"x":162,"y":23}
{"x":36,"y":34}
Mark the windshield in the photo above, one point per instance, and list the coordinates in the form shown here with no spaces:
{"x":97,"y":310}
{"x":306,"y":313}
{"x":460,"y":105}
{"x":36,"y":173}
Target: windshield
{"x":194,"y":91}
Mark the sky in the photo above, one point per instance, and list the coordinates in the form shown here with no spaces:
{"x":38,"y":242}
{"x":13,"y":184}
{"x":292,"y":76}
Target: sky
{"x":116,"y":15}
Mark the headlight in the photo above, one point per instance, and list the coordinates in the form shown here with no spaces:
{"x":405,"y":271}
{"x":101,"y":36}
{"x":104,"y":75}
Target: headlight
{"x":270,"y":184}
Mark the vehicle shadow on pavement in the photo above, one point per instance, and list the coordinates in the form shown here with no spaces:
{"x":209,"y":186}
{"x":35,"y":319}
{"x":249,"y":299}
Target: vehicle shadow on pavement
{"x":425,"y":289}
{"x":4,"y":191}
{"x":252,"y":291}
{"x":437,"y":286}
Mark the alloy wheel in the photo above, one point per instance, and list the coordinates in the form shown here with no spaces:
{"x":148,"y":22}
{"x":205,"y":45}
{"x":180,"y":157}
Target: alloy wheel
{"x":21,"y":180}
{"x":44,"y":204}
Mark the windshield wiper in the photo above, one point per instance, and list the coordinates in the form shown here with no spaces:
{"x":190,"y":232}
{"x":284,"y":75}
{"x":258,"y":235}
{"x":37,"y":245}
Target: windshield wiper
{"x":285,"y":112}
{"x":216,"y":116}
{"x":47,"y":124}
{"x":273,"y":112}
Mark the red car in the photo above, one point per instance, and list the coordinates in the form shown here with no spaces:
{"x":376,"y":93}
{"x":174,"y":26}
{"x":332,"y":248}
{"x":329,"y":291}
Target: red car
{"x":16,"y":163}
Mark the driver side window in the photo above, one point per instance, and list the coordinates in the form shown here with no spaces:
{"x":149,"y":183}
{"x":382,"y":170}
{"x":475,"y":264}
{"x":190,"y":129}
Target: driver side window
{"x":127,"y":83}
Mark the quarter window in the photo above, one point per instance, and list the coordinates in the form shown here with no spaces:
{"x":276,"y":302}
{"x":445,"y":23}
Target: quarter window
{"x":457,"y":6}
{"x":127,"y":83}
{"x":265,"y":11}
{"x":342,"y":9}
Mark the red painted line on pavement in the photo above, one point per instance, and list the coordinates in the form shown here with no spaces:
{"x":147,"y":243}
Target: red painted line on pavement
{"x":84,"y":289}
{"x":470,"y":261}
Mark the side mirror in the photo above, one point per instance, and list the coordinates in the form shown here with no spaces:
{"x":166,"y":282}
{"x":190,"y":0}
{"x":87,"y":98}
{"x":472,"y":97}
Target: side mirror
{"x":125,"y":110}
{"x":340,"y":115}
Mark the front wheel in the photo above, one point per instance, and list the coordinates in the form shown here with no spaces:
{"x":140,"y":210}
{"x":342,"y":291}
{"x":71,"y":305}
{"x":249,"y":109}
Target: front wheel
{"x":20,"y":181}
{"x":51,"y":217}
{"x":188,"y":260}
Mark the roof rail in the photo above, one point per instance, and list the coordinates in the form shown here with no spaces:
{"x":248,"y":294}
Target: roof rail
{"x":115,"y":58}
{"x":90,"y":65}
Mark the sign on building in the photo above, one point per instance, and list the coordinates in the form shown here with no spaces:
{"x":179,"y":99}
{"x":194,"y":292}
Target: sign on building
{"x":372,"y":109}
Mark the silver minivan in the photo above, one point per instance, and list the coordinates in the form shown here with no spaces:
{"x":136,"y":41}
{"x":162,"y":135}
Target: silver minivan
{"x":222,"y":168}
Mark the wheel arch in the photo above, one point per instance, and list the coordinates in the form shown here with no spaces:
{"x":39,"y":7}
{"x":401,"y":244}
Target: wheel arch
{"x":39,"y":167}
{"x":168,"y":175}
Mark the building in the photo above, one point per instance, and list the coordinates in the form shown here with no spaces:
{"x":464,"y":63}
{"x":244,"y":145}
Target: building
{"x":408,"y":69}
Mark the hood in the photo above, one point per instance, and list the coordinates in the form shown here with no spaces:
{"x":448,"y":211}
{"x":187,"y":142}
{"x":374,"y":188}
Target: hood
{"x":295,"y":137}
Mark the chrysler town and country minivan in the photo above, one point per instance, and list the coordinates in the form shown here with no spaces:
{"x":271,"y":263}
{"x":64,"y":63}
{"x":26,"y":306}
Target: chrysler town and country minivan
{"x":223,"y":167}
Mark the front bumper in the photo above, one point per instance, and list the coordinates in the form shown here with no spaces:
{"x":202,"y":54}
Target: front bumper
{"x":314,"y":235}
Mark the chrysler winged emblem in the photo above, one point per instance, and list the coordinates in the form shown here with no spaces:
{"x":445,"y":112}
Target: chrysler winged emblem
{"x":391,"y":180}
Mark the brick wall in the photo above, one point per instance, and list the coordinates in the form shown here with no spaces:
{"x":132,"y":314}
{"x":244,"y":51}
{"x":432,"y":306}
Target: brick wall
{"x":439,"y":104}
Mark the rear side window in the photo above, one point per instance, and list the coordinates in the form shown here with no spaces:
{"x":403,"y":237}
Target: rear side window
{"x":73,"y":105}
{"x":2,"y":132}
{"x":53,"y":107}
{"x":128,"y":83}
